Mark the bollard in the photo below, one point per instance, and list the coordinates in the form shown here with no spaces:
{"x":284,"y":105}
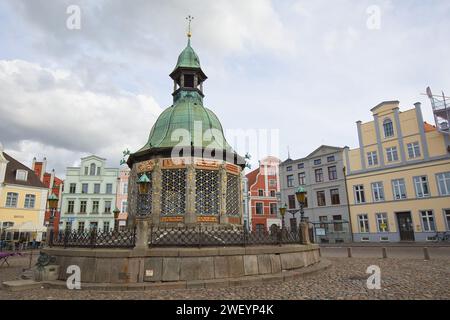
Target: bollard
{"x":349,"y":252}
{"x":320,"y":252}
{"x":384,"y":252}
{"x":426,"y":254}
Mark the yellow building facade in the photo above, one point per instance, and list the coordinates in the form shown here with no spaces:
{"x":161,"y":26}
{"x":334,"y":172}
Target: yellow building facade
{"x":398,"y":180}
{"x":23,"y":199}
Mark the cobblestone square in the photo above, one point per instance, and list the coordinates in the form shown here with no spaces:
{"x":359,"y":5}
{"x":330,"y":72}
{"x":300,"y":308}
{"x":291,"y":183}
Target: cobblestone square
{"x":403,"y":277}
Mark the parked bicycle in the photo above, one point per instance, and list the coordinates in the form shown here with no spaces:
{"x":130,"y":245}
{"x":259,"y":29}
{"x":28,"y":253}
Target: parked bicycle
{"x":442,"y":237}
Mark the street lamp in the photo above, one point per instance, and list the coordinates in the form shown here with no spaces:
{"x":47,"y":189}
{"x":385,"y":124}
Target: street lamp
{"x":282,"y":213}
{"x":52,"y":204}
{"x":116,"y":219}
{"x":143,"y":183}
{"x":300,"y":194}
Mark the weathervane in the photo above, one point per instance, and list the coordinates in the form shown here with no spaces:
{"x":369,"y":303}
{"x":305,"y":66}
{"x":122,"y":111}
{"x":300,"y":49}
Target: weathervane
{"x":126,"y":153}
{"x":189,"y":18}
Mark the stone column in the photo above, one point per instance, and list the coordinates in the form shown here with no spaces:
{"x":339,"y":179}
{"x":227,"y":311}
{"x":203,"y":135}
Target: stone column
{"x":190,"y":217}
{"x":223,"y":219}
{"x":304,"y":233}
{"x":142,"y":230}
{"x":156,"y":192}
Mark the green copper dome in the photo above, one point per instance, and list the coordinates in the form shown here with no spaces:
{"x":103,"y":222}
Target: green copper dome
{"x":199,"y":123}
{"x":188,"y":58}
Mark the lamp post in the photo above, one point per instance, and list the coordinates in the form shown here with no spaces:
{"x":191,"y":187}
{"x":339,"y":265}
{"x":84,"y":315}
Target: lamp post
{"x":282,"y":213}
{"x":116,"y":219}
{"x":300,"y":194}
{"x":52,"y":204}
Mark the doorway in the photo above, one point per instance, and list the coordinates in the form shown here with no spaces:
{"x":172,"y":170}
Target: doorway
{"x":405,"y":226}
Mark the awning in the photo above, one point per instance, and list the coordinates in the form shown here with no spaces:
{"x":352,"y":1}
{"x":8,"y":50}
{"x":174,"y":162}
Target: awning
{"x":28,"y":226}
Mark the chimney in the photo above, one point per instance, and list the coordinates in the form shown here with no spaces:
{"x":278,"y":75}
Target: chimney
{"x":418,"y":105}
{"x":33,"y":164}
{"x":52,"y":180}
{"x":44,"y":167}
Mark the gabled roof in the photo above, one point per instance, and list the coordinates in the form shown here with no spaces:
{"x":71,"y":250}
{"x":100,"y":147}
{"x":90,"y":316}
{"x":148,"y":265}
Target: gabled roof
{"x":384,"y":103}
{"x":93,"y":156}
{"x":251,"y":176}
{"x":332,"y":149}
{"x":11,"y":169}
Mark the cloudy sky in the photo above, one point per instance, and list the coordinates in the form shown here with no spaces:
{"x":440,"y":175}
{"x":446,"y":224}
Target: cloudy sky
{"x":309,"y":69}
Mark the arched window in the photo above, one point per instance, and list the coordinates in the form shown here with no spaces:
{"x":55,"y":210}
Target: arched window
{"x":388,"y":128}
{"x":92,"y":169}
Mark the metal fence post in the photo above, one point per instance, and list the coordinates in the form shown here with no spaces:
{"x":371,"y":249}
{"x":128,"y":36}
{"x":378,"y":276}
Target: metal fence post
{"x":50,"y":238}
{"x":93,"y":237}
{"x":66,"y":238}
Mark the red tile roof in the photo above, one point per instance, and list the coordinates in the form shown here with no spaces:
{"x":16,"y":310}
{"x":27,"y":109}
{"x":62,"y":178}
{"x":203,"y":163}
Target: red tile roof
{"x":251,"y":176}
{"x":428,"y":127}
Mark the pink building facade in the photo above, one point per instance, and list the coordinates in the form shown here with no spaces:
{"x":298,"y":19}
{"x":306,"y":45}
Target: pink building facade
{"x":122,"y":197}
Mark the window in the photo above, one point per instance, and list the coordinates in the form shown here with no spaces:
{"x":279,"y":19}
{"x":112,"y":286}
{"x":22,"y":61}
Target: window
{"x":388,"y":128}
{"x":323,"y":224}
{"x":259,"y":208}
{"x":273,"y":208}
{"x":124,"y":206}
{"x":80,"y":226}
{"x":72,"y":188}
{"x":70,"y":206}
{"x":261,"y":193}
{"x":372,"y":158}
{"x":95,"y":206}
{"x":291,"y":201}
{"x":338,"y":225}
{"x":332,"y":173}
{"x":331,"y":159}
{"x":377,"y":191}
{"x":125,"y":188}
{"x":447,"y":217}
{"x":421,"y":186}
{"x":290,"y":180}
{"x":300,"y":166}
{"x":21,"y":175}
{"x":317,"y":162}
{"x":444,"y":183}
{"x":69,"y":225}
{"x":289,"y":168}
{"x":98,"y":171}
{"x":86,"y":171}
{"x":29,"y":200}
{"x":260,"y":227}
{"x":93,"y":225}
{"x":382,"y":222}
{"x":392,"y":154}
{"x":363,"y":222}
{"x":334,"y":194}
{"x":321,"y":198}
{"x":107,"y":206}
{"x":106,"y":226}
{"x":83,"y":205}
{"x":319,"y":175}
{"x":359,"y":194}
{"x":272,"y":193}
{"x":109,"y":188}
{"x":302,"y":178}
{"x":413,"y":150}
{"x":97,"y":188}
{"x":427,"y":220}
{"x":11,"y":199}
{"x":92,"y":169}
{"x":399,"y":189}
{"x":84,"y":188}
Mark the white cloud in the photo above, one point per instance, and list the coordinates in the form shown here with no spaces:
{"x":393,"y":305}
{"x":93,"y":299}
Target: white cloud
{"x":52,"y":111}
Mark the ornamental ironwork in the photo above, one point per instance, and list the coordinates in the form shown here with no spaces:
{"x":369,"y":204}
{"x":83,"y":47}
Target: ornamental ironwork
{"x":173,"y":197}
{"x":218,"y":236}
{"x":94,"y":239}
{"x":207,"y":192}
{"x":144,"y":200}
{"x":233,"y":196}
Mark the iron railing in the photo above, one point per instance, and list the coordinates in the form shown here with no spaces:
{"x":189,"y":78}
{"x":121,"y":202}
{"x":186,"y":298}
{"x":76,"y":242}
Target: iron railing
{"x":218,"y":236}
{"x":93,"y":239}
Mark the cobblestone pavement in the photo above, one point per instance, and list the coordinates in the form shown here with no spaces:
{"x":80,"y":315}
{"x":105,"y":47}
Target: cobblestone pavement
{"x":346,"y":279}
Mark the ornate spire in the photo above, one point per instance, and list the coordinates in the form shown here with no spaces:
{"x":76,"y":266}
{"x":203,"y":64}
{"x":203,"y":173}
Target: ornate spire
{"x":189,"y":18}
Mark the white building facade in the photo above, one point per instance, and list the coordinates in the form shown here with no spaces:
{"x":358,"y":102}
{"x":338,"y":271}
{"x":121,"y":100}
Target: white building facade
{"x":89,"y":196}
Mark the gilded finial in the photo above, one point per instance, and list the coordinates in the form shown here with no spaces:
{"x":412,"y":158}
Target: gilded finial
{"x":189,"y":18}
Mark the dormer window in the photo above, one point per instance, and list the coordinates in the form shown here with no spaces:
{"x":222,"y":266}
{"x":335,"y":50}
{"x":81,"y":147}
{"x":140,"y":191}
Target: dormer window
{"x":388,"y":128}
{"x":21,"y":175}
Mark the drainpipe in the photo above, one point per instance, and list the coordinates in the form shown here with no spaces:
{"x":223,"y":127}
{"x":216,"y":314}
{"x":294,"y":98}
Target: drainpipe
{"x":348,"y":205}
